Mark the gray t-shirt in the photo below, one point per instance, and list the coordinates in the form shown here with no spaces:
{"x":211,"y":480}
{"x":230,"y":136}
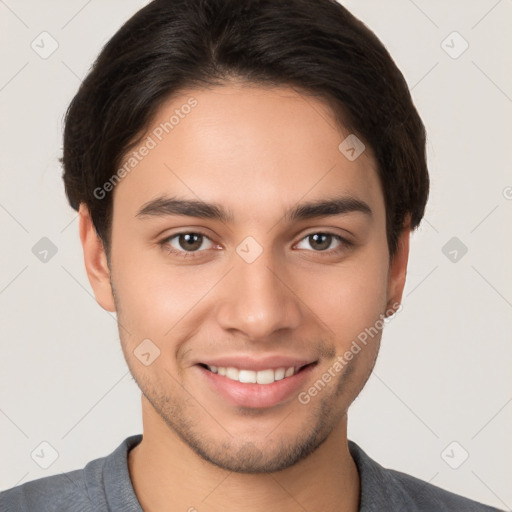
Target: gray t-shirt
{"x":104,"y":485}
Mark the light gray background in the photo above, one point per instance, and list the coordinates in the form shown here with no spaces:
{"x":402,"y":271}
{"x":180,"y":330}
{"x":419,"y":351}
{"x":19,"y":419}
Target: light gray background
{"x":444,"y":368}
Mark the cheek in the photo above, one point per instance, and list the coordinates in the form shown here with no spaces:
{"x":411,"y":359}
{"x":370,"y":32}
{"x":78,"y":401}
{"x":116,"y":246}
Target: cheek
{"x":158,"y":299}
{"x":351,"y":297}
{"x":155,"y":297}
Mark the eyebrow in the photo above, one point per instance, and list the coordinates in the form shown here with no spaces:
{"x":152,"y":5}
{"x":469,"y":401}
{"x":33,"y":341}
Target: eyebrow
{"x":168,"y":206}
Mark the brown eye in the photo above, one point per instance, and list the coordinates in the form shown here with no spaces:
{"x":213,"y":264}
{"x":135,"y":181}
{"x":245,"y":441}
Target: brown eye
{"x":187,"y":243}
{"x":190,"y":241}
{"x":321,"y":241}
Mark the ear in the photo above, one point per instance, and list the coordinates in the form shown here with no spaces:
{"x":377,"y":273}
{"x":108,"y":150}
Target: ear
{"x":398,"y":267}
{"x":95,"y":260}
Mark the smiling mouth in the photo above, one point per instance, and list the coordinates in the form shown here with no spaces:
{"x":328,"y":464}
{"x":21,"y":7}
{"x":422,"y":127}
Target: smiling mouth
{"x":267,"y":376}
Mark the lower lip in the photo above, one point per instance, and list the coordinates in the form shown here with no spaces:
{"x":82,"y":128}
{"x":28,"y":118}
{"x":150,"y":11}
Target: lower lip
{"x":256,"y":395}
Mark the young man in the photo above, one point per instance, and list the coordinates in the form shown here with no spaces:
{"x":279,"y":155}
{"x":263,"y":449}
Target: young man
{"x":247,"y":175}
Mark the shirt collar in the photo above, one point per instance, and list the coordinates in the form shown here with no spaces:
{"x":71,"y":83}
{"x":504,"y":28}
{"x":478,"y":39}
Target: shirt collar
{"x":378,"y":489}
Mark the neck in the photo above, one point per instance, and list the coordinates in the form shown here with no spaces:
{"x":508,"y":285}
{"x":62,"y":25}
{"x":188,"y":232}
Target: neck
{"x":167,"y":475}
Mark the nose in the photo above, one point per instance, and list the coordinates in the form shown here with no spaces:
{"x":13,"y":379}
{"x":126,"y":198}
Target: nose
{"x":258,"y":300}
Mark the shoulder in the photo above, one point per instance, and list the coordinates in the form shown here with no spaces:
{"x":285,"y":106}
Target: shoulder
{"x":388,"y":489}
{"x":429,"y":497}
{"x":66,"y":491}
{"x":82,"y":490}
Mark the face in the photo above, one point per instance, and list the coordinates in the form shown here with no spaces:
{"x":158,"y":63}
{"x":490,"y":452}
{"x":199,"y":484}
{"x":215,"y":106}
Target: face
{"x":246,"y":245}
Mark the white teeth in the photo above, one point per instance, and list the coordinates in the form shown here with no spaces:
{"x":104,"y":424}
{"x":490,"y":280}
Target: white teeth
{"x":279,"y":374}
{"x":232,"y":373}
{"x":247,"y":376}
{"x":265,"y":377}
{"x":253,"y":377}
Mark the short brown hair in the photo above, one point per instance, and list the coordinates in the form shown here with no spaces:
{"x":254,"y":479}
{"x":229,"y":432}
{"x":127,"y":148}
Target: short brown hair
{"x":314,"y":45}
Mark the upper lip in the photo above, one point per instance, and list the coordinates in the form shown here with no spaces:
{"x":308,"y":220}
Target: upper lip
{"x":256,"y":364}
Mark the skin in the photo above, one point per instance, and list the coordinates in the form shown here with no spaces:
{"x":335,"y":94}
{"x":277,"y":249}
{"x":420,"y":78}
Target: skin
{"x":257,"y":151}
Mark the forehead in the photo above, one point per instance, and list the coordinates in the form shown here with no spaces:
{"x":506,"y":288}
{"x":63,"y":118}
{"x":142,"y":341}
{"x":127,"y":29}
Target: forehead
{"x":258,"y":148}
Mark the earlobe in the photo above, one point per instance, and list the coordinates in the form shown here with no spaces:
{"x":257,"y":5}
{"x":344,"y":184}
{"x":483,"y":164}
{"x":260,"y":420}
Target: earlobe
{"x":398,"y":268}
{"x":95,"y":260}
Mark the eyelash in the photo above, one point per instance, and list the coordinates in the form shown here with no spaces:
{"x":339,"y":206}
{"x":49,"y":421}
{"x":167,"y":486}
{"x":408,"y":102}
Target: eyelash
{"x":192,"y":254}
